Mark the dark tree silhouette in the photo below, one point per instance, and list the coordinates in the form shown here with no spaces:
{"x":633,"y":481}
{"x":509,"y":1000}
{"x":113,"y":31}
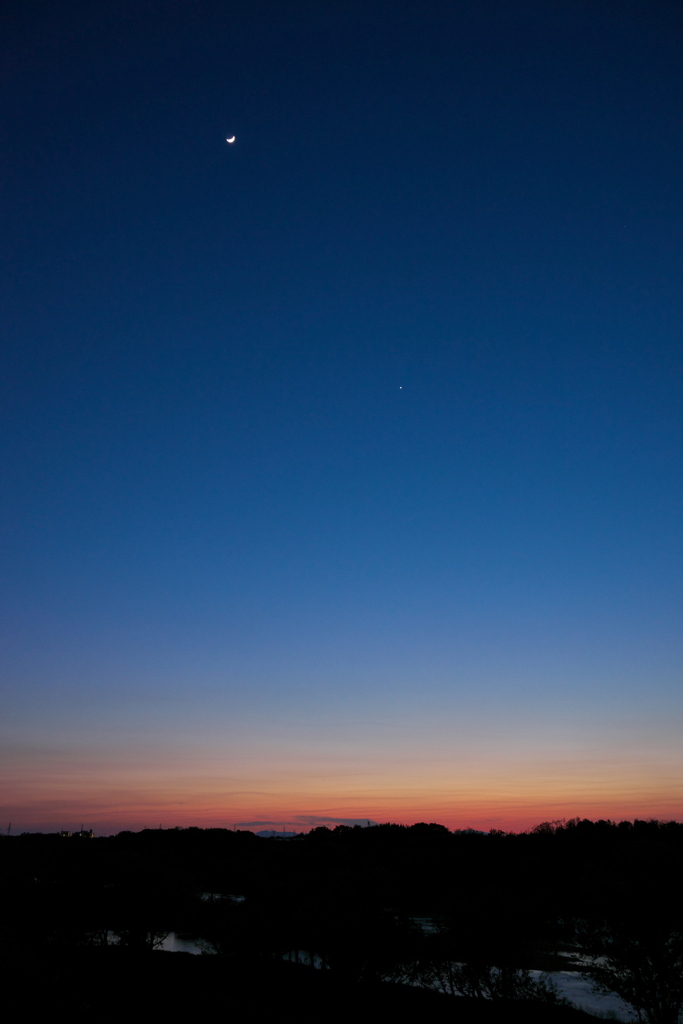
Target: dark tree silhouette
{"x":644,"y":966}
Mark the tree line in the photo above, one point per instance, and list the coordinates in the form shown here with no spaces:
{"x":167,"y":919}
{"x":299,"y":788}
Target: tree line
{"x":467,"y":913}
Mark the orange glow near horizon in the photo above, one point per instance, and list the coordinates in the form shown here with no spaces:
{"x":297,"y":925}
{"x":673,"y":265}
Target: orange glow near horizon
{"x":512,"y":797}
{"x":460,"y":771}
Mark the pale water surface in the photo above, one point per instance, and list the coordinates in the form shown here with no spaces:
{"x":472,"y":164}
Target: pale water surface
{"x":571,"y":984}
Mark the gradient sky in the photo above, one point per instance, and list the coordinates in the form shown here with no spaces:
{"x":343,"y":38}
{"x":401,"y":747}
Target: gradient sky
{"x":341,"y":467}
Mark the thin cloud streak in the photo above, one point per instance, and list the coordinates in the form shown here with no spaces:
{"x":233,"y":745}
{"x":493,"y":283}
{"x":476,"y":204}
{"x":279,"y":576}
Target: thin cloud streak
{"x":307,"y":820}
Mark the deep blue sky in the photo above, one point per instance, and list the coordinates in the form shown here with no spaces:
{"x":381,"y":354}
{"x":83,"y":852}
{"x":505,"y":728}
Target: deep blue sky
{"x":374,"y":413}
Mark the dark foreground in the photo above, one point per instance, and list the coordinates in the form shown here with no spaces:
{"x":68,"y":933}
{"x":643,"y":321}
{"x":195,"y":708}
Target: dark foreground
{"x":113,"y":986}
{"x":81,"y":919}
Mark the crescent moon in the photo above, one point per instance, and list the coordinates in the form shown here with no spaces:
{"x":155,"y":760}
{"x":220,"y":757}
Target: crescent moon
{"x":232,"y":139}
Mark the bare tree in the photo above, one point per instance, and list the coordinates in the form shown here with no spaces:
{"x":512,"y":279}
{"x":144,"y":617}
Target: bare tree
{"x":644,"y":968}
